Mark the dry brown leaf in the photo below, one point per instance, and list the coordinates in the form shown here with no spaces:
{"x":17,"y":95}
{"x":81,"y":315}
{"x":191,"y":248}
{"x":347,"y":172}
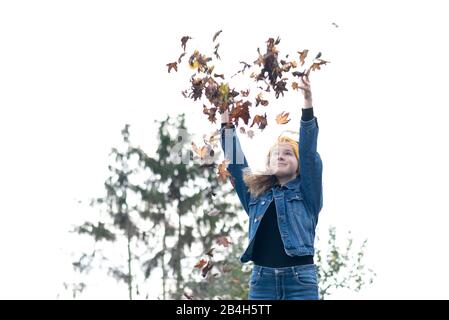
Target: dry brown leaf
{"x":223,"y":241}
{"x":282,"y":118}
{"x":172,"y":65}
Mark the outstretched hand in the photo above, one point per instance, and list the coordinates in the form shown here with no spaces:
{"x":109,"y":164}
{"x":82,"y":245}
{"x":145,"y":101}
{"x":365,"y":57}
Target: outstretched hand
{"x":304,"y":85}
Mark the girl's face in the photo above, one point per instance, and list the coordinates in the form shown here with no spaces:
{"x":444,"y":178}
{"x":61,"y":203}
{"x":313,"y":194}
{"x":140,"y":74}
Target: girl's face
{"x":283,"y":162}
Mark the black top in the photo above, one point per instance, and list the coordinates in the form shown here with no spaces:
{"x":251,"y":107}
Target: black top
{"x":268,"y":250}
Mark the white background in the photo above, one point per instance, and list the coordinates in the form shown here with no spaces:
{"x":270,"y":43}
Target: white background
{"x":72,"y":73}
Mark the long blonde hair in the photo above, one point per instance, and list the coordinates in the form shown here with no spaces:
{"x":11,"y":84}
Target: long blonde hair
{"x":260,"y":181}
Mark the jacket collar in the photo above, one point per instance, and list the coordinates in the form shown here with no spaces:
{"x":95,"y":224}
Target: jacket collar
{"x":292,"y":184}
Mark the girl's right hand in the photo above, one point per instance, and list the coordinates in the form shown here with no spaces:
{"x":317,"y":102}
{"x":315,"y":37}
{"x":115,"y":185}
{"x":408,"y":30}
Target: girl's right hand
{"x":225,"y":117}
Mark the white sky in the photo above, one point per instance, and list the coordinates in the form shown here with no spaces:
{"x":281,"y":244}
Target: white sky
{"x":72,"y":73}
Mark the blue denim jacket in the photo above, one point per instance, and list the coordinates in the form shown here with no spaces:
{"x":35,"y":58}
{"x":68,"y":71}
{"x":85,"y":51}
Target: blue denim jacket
{"x":297,"y":203}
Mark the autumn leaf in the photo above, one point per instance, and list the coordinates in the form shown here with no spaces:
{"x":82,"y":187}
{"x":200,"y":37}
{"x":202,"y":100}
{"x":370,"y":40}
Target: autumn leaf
{"x":213,"y":138}
{"x":242,"y":130}
{"x":261,"y":121}
{"x":241,"y":111}
{"x":223,"y":173}
{"x":224,"y":91}
{"x":216,"y":52}
{"x":261,"y":100}
{"x":180,"y":57}
{"x":188,"y":296}
{"x":298,"y":74}
{"x":295,"y":86}
{"x":245,"y":66}
{"x":318,"y":55}
{"x":245,"y":93}
{"x":250,"y":134}
{"x":172,"y":65}
{"x":210,"y":252}
{"x":316,"y":66}
{"x":206,"y":269}
{"x":280,"y":87}
{"x":205,"y":152}
{"x":200,"y":264}
{"x":219,"y":76}
{"x":303,"y":56}
{"x":216,"y":35}
{"x":223,"y":241}
{"x":282,"y":118}
{"x":213,"y":213}
{"x":210,"y":113}
{"x":184,"y":41}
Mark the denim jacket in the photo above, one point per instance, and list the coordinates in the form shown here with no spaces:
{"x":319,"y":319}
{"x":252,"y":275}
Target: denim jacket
{"x":298,"y":202}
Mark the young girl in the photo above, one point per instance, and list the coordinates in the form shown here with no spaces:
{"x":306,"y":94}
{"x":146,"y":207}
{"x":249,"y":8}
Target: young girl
{"x":283,"y":206}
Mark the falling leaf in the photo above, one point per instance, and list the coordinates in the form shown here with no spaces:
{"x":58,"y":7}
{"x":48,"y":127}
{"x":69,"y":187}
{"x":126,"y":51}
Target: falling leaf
{"x":245,"y":66}
{"x":180,"y":57}
{"x":216,"y":35}
{"x":295,"y":86}
{"x":282,"y":118}
{"x":213,"y":213}
{"x":210,"y":113}
{"x":184,"y":41}
{"x":223,"y":173}
{"x":200,"y":264}
{"x":241,"y":111}
{"x":298,"y":74}
{"x":334,"y":24}
{"x":303,"y":56}
{"x":261,"y":121}
{"x":260,"y":100}
{"x":206,"y":269}
{"x":242,"y":130}
{"x":245,"y":93}
{"x":172,"y":65}
{"x":250,"y":133}
{"x":223,"y":241}
{"x":210,"y":252}
{"x":216,"y":52}
{"x":316,"y":65}
{"x":318,"y":55}
{"x":205,"y":152}
{"x":219,"y":75}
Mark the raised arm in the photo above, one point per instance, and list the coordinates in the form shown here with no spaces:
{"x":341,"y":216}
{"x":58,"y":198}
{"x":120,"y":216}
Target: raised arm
{"x":311,"y":166}
{"x":233,"y":151}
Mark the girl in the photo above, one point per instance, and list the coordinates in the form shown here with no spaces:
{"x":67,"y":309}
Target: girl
{"x":283,"y":204}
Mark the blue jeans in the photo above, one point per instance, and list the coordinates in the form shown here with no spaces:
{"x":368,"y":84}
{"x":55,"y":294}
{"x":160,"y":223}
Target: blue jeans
{"x":289,"y":283}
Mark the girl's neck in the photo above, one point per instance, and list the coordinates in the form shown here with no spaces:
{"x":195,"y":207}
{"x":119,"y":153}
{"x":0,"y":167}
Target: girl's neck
{"x":284,"y":180}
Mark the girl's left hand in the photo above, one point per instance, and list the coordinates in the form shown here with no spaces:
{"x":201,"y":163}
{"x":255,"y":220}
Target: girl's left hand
{"x":304,"y":85}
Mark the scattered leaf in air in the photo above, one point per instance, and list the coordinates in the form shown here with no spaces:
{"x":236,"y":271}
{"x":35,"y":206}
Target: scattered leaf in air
{"x":184,"y":41}
{"x":172,"y":65}
{"x":200,"y":264}
{"x":223,"y":241}
{"x":261,"y":121}
{"x":206,"y":269}
{"x":223,"y":173}
{"x":282,"y":118}
{"x":303,"y":56}
{"x":210,"y":252}
{"x":216,"y":35}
